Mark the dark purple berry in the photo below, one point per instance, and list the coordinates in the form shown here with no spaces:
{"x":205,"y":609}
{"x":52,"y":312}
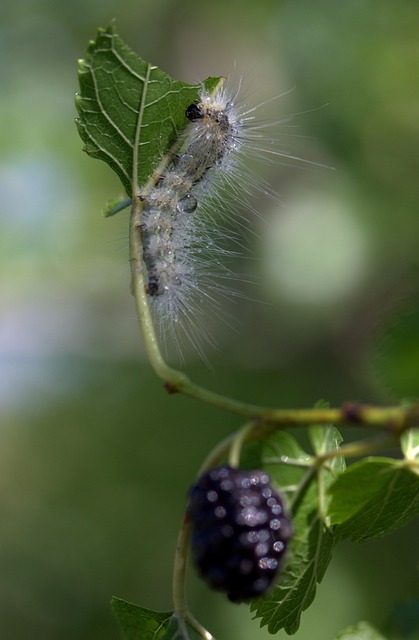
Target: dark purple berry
{"x":239,"y":531}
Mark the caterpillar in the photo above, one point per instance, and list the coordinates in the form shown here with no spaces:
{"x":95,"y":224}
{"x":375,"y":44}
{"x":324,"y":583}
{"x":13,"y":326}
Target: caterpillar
{"x":186,"y":247}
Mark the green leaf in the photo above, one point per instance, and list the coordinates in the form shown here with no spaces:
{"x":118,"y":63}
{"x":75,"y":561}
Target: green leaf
{"x":310,"y":551}
{"x":358,"y":486}
{"x":374,"y":496}
{"x":324,"y":439}
{"x":138,"y":623}
{"x":410,"y":448}
{"x":360,"y":631}
{"x":130,"y":112}
{"x":114,"y":206}
{"x":281,"y":456}
{"x":309,"y":554}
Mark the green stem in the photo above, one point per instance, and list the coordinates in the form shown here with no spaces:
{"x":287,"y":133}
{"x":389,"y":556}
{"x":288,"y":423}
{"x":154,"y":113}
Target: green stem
{"x":361,"y":448}
{"x":180,"y":606}
{"x":175,"y":381}
{"x":393,"y":419}
{"x":139,"y":291}
{"x":204,"y":633}
{"x":302,"y":488}
{"x":241,"y":437}
{"x":182,"y":547}
{"x":217,"y":454}
{"x":179,"y":572}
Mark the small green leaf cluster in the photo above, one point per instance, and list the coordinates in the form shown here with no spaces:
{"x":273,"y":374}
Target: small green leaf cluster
{"x":329,"y":502}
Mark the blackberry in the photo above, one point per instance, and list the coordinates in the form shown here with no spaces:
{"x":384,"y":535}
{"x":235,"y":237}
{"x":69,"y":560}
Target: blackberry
{"x":239,"y":531}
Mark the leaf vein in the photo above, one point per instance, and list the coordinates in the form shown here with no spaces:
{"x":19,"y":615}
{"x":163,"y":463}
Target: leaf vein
{"x":106,"y":152}
{"x":103,"y":109}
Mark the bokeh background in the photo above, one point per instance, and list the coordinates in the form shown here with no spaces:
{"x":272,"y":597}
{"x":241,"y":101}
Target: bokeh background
{"x":95,"y":459}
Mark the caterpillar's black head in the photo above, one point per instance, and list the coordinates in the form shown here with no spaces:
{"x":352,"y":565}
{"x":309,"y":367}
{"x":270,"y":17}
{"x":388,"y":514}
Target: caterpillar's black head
{"x":193,"y":112}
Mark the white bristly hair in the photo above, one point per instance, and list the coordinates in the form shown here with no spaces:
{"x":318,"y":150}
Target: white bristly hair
{"x":191,"y":215}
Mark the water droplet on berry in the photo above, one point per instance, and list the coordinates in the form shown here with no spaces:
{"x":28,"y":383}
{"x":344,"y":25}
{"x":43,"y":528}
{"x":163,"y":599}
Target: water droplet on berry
{"x":279,"y":546}
{"x":268,"y":563}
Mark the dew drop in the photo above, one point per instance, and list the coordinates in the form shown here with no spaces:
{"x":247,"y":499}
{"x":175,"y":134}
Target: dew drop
{"x":187,"y":204}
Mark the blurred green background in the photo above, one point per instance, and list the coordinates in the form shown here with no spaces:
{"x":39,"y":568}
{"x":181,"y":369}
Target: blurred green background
{"x":95,"y":458}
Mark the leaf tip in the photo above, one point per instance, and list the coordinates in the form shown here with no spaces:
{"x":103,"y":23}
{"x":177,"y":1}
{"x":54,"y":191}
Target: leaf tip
{"x":111,"y":28}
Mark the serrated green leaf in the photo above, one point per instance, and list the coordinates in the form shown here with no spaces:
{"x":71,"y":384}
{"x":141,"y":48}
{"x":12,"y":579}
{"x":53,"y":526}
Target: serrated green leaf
{"x":358,"y":486}
{"x":360,"y":631}
{"x":138,"y":623}
{"x":127,"y":107}
{"x":310,"y":552}
{"x":373,"y":498}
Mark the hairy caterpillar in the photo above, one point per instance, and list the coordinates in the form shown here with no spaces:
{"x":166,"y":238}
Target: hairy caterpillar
{"x":185,"y":244}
